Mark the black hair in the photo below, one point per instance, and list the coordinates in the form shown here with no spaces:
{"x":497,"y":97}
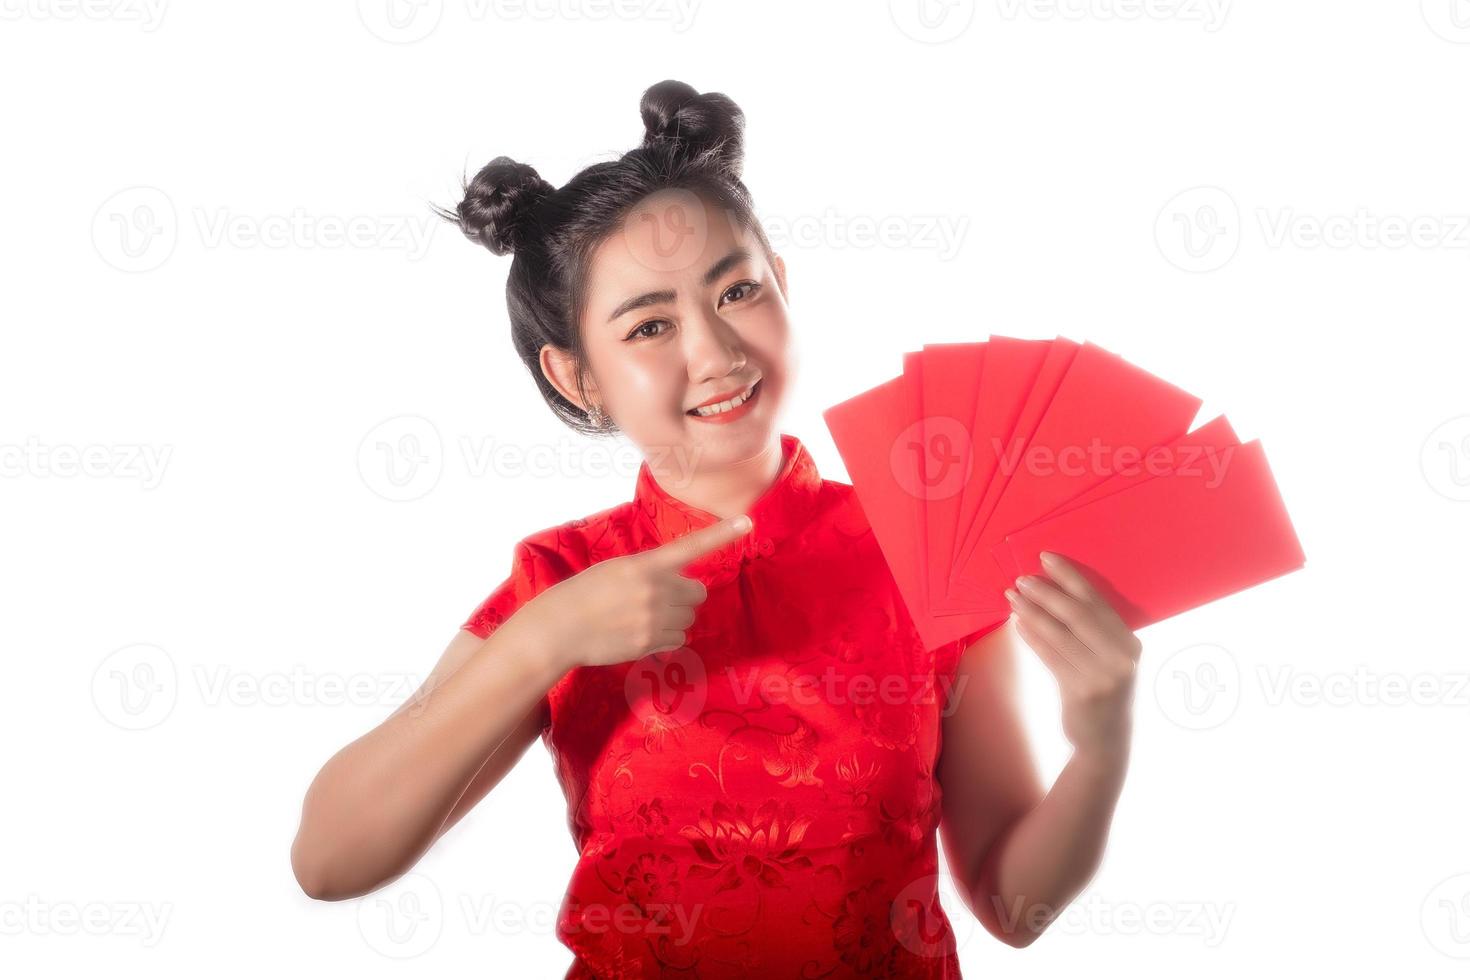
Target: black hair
{"x":691,"y":141}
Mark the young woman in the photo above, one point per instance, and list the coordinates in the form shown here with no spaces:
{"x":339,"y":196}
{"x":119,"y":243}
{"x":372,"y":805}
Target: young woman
{"x":743,"y":719}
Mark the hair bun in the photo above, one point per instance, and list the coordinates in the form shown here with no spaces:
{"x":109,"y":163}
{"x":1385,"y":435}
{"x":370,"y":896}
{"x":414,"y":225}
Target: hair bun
{"x":709,"y":125}
{"x":498,"y":202}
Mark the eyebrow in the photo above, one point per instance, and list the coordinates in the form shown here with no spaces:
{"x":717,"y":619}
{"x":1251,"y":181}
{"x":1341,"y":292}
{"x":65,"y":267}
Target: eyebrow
{"x":736,"y":256}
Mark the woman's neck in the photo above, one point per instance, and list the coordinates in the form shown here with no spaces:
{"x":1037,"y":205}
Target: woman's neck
{"x":723,"y":492}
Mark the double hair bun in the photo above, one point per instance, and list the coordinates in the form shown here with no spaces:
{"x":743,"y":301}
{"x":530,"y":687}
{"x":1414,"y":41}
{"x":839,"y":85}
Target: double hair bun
{"x":681,"y":128}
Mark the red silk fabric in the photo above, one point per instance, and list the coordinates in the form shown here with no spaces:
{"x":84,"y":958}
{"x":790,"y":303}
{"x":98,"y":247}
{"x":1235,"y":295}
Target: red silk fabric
{"x":761,"y":802}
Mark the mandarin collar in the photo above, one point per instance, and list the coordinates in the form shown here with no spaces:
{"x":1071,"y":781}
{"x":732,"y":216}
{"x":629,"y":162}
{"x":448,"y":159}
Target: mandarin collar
{"x":781,"y":510}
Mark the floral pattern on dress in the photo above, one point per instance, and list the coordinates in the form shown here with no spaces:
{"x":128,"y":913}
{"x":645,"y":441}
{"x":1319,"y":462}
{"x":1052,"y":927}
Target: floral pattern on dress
{"x":782,"y":822}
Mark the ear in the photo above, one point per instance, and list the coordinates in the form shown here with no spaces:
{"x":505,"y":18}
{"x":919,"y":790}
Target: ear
{"x":780,"y":266}
{"x":560,"y":369}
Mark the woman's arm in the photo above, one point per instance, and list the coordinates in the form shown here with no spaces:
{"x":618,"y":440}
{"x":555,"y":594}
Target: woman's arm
{"x":1021,"y":857}
{"x":381,"y":802}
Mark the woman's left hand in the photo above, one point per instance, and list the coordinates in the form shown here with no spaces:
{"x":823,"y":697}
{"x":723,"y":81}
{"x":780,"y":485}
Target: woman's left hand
{"x":1088,"y":648}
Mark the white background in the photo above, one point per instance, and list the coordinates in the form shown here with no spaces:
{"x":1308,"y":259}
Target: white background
{"x":1264,"y":203}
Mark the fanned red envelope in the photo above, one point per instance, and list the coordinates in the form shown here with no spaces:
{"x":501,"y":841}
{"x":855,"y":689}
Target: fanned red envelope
{"x":1174,"y":542}
{"x":1208,"y":446}
{"x":982,"y":455}
{"x":879,"y":426}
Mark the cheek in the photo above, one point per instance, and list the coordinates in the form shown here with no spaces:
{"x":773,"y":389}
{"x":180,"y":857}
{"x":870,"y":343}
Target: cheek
{"x":636,"y":384}
{"x":769,"y":342}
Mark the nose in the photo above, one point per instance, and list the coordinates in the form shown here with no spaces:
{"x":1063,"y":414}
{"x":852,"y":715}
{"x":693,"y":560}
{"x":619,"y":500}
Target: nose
{"x":712,"y":348}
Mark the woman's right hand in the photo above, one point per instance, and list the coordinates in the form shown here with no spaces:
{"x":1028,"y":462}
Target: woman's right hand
{"x":623,"y":608}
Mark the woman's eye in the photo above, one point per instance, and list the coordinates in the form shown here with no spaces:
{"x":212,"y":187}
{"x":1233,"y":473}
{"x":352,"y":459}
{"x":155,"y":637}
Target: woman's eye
{"x":641,"y":329}
{"x":750,"y":286}
{"x":743,"y":290}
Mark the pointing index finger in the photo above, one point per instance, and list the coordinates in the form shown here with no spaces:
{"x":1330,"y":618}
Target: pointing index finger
{"x":682,"y":551}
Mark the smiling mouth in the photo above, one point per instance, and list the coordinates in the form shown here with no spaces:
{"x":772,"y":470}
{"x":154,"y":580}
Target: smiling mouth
{"x":719,"y":408}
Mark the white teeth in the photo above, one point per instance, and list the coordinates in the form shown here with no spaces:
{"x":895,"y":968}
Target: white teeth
{"x":725,"y":406}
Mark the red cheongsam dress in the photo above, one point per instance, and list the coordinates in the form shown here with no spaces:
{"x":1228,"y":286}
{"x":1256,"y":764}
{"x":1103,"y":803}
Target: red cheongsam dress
{"x":761,"y":802}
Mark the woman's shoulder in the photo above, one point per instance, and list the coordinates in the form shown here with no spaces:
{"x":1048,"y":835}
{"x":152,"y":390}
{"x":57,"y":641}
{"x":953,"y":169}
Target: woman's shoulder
{"x":581,"y":542}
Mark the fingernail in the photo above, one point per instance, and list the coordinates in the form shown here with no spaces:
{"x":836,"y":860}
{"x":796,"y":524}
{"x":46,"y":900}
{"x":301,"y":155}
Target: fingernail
{"x":742,"y":523}
{"x":1011,"y":595}
{"x":1047,"y":558}
{"x":1026,"y":583}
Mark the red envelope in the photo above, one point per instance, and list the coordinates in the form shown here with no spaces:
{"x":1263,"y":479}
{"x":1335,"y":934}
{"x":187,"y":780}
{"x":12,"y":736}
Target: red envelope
{"x":951,"y":378}
{"x":917,"y":520}
{"x":1009,"y":373}
{"x":980,"y":455}
{"x":1102,"y":407}
{"x":1175,"y":542}
{"x":874,"y":432}
{"x":1204,"y":446}
{"x":1013,"y":410}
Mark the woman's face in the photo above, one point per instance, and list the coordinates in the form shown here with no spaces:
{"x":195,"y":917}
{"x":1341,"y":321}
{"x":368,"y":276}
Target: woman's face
{"x":682,"y":308}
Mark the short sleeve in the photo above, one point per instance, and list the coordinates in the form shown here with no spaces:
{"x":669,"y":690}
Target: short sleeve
{"x":532,"y":571}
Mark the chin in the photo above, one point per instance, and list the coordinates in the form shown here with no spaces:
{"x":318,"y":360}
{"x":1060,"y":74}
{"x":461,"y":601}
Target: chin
{"x":732,"y":444}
